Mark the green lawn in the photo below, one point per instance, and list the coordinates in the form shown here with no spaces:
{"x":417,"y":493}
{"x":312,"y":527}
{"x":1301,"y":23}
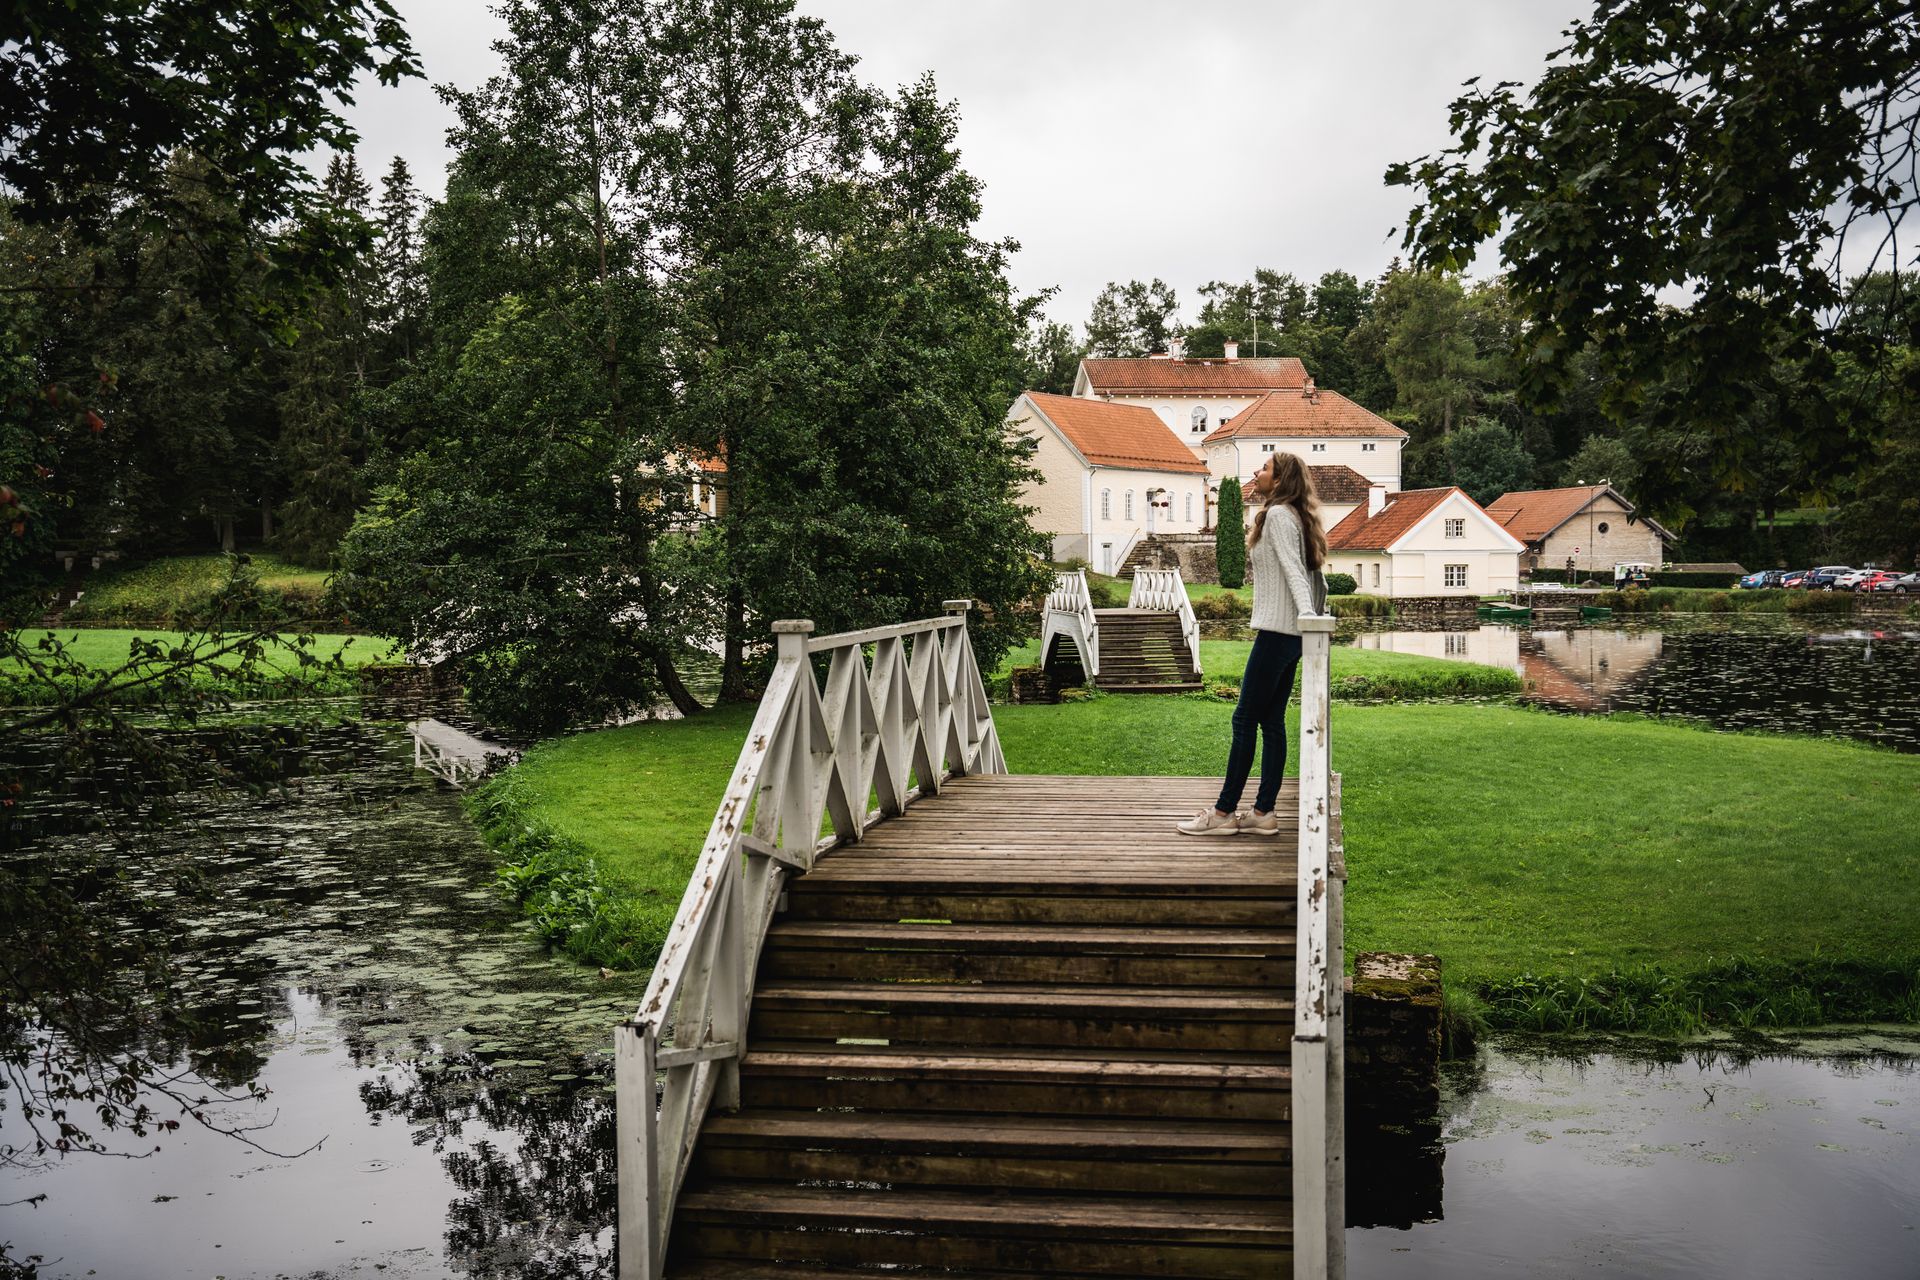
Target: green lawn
{"x":1507,"y":841}
{"x":159,"y":590}
{"x":278,"y":673}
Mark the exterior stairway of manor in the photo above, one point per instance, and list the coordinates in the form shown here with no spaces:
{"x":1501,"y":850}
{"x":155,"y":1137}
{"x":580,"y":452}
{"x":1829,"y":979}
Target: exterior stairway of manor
{"x":1142,"y":651}
{"x":1024,"y":1030}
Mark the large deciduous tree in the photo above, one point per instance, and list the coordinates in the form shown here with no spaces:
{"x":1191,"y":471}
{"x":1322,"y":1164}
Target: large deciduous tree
{"x":1137,"y":318}
{"x":1680,"y":194}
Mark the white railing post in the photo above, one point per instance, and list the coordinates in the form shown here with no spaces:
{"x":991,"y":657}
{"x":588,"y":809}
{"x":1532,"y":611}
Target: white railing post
{"x":637,"y":1151}
{"x":1318,"y":1039}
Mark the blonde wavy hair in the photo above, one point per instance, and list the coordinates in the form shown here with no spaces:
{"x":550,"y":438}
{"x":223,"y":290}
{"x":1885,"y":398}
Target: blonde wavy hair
{"x":1293,"y":487}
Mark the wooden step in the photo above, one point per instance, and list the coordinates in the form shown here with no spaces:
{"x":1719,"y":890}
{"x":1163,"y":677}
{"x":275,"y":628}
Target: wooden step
{"x":1176,"y":1084}
{"x":1130,"y":1236}
{"x":902,"y":903}
{"x":1194,"y":1018}
{"x":890,"y":951}
{"x":1055,"y":1154}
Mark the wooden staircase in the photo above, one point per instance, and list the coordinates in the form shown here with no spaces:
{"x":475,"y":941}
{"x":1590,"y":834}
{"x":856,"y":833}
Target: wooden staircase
{"x":1141,"y":651}
{"x":1028,"y":1030}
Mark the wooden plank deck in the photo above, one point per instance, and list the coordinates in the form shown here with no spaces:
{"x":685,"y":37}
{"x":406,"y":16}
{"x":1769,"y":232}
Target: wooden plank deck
{"x":1025,"y":1029}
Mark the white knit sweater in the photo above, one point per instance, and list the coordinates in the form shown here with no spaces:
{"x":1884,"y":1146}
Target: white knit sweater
{"x":1283,"y":588}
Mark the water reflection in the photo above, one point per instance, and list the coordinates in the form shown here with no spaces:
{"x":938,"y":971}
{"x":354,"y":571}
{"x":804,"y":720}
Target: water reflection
{"x":1717,"y":1162}
{"x":1774,"y":673}
{"x":352,"y":959}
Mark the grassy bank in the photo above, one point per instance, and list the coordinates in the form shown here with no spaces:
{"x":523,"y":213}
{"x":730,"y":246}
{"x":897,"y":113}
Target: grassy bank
{"x":160,"y":592}
{"x":1358,"y":674}
{"x":279,"y":673}
{"x":1571,"y":873}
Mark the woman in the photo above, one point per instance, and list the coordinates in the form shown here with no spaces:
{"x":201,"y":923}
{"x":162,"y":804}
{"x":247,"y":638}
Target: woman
{"x":1285,"y":549}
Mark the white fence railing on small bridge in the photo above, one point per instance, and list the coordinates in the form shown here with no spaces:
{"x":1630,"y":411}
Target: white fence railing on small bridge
{"x":1165,"y":591}
{"x":1069,"y":615}
{"x":453,"y":755}
{"x":895,"y":727}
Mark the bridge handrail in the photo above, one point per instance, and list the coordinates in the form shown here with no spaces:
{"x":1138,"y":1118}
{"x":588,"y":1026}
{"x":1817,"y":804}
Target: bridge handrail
{"x":1069,"y":613}
{"x":1166,"y":590}
{"x":811,"y":754}
{"x":1319,"y":1006}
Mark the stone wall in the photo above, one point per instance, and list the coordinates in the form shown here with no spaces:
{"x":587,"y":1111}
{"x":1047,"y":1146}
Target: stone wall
{"x":1421,"y":609}
{"x":1190,"y":553}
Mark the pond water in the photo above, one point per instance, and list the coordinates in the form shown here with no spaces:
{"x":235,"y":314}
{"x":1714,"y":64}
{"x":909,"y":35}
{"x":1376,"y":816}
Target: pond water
{"x":1839,"y":677}
{"x":359,"y":965}
{"x":1616,"y":1164}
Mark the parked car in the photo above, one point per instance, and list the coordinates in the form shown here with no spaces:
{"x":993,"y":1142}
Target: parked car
{"x":1905,"y":584}
{"x":1868,"y":579}
{"x":1853,"y":581}
{"x":1824,"y":578}
{"x":1632,"y":574}
{"x":1765,"y":579}
{"x":1795,"y":579}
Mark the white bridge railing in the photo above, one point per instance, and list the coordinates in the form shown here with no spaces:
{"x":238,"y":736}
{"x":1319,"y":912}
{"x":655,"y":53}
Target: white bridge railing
{"x":1319,"y":1005}
{"x":892,"y":727}
{"x":1166,"y":591}
{"x":1069,"y":613}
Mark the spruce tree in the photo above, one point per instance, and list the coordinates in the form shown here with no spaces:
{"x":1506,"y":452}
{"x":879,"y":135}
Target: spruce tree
{"x":1230,"y":536}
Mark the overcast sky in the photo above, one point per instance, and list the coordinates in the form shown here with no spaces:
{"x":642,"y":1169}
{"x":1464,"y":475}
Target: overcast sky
{"x":1118,"y":139}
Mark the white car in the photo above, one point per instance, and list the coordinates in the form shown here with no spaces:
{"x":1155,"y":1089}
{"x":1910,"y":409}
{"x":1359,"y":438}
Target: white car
{"x":1852,"y":579}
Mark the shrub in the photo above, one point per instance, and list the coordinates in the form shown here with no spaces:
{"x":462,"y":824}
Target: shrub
{"x":1230,"y":536}
{"x":1360,"y":606}
{"x":1222,"y":606}
{"x":1341,"y":584}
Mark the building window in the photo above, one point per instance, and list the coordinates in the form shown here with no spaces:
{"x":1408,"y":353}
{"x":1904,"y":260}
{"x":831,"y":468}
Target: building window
{"x":1457,"y":528}
{"x":1367,"y":447}
{"x":1603,"y":526}
{"x":1106,"y":504}
{"x":1456,"y":575}
{"x":1319,"y":448}
{"x":1189,"y":506}
{"x":1456,"y":644}
{"x":1266,"y":448}
{"x":1376,"y":573}
{"x":1199,"y":417}
{"x":1129,"y":510}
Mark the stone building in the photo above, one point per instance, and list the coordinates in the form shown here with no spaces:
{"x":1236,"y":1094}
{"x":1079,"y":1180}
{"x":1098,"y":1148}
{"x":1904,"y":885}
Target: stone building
{"x":1593,"y":525}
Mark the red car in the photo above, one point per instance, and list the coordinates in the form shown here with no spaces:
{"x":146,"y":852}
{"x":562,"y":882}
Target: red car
{"x":1873,"y":580}
{"x":1795,"y":580}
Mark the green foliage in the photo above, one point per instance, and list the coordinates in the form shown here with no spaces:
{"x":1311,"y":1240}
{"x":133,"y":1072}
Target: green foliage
{"x":1360,"y":606}
{"x":1630,"y":169}
{"x":1341,"y":584}
{"x":1052,"y":357}
{"x":1487,"y":460}
{"x":1132,"y":319}
{"x":1602,"y":459}
{"x":1230,"y":537}
{"x":175,"y":588}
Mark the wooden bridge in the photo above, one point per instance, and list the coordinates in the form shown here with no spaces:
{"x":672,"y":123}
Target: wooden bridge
{"x":921,"y":1016}
{"x":1151,"y":646}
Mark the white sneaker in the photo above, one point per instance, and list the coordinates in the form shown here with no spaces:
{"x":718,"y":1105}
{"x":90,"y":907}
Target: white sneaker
{"x":1260,"y":824}
{"x":1211,"y":822}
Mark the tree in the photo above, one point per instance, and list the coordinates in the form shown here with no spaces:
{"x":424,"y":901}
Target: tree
{"x":400,"y":313}
{"x":1230,"y":535}
{"x":1697,"y":148}
{"x":1428,"y":349}
{"x":1132,"y":319}
{"x":1052,"y":357}
{"x":1603,"y":460}
{"x":1487,"y":460}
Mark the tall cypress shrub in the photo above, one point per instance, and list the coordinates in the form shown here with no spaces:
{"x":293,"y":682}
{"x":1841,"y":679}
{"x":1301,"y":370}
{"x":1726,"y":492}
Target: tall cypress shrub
{"x":1230,"y":536}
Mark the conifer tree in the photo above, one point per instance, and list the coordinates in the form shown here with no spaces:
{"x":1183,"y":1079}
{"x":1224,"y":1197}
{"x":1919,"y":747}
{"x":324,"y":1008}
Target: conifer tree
{"x":1230,"y":536}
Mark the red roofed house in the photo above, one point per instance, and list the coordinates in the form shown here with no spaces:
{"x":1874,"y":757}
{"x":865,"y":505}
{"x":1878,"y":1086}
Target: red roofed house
{"x":1110,"y":474}
{"x":1424,"y":542}
{"x":1191,"y":396}
{"x":1590,"y":524}
{"x":1323,"y":427}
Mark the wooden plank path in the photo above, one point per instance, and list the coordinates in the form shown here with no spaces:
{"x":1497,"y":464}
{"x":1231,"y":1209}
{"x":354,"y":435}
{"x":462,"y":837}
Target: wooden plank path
{"x":1026,"y":1028}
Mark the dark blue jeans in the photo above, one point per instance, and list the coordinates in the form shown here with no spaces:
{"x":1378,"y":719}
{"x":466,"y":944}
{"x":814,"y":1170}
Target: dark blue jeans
{"x":1264,"y":691}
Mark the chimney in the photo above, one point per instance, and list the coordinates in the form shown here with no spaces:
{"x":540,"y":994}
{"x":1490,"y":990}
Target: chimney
{"x":1306,"y":388}
{"x":1233,"y":349}
{"x":1177,"y":348}
{"x":1376,"y":500}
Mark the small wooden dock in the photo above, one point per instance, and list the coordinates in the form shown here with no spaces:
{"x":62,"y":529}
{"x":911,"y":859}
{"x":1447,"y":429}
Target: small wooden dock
{"x":451,"y":754}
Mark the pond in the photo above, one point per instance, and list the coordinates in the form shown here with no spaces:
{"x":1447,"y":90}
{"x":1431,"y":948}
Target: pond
{"x":1840,"y":677}
{"x":359,"y":965}
{"x":1800,"y":1160}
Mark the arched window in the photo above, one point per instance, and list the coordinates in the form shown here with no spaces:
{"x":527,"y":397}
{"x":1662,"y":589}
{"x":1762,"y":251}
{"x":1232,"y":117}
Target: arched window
{"x":1106,"y":504}
{"x":1129,"y":509}
{"x":1189,"y":506}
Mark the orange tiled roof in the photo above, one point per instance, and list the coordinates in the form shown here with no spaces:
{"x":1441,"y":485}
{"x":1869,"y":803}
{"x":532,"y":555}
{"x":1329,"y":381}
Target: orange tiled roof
{"x":1532,"y":514}
{"x":1289,"y":413}
{"x":1117,"y":435}
{"x":1360,"y":532}
{"x":1117,"y":376}
{"x":1336,"y":484}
